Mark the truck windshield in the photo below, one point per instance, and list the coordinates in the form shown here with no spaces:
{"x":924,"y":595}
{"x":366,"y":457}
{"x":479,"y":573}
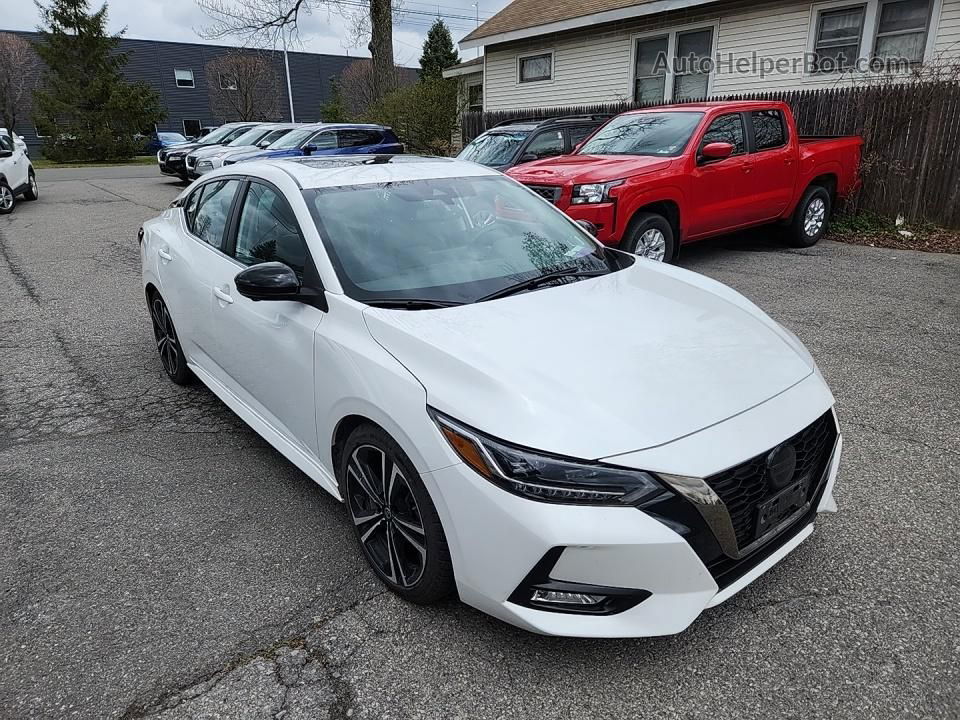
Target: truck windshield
{"x":493,"y":148}
{"x":663,"y":134}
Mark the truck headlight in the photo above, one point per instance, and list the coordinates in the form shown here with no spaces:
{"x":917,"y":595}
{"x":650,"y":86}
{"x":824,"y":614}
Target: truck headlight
{"x":544,"y":477}
{"x":593,"y":192}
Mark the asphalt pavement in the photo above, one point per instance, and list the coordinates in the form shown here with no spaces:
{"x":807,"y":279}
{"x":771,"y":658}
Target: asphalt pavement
{"x":158,"y":559}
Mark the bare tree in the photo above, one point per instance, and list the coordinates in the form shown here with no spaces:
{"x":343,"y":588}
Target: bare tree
{"x":243,"y":85}
{"x":17,"y":83}
{"x":360,"y":87}
{"x":264,"y":22}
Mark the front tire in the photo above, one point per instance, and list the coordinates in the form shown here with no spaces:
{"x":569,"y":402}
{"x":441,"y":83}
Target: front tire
{"x":7,"y":201}
{"x":811,"y":218}
{"x":394,"y":518}
{"x":32,"y":192}
{"x":168,"y":344}
{"x":651,"y":236}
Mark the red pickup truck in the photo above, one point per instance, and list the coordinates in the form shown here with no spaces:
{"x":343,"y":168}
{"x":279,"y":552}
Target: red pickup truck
{"x":651,"y":180}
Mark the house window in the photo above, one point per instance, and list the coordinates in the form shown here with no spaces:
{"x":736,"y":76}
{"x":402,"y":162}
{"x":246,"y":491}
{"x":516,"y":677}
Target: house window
{"x":475,"y":97}
{"x":191,"y":128}
{"x":535,"y":68}
{"x":902,"y":29}
{"x":227,"y":82}
{"x":675,"y":64}
{"x":650,"y":78}
{"x":837,"y":42}
{"x":693,"y":64}
{"x":184,"y":78}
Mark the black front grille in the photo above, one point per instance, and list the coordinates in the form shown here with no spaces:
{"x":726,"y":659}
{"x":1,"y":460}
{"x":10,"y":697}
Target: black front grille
{"x":548,"y":192}
{"x":744,"y":487}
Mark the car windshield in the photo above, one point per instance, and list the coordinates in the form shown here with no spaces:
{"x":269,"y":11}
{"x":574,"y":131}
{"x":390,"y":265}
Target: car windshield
{"x":292,"y":139}
{"x":654,"y":133}
{"x":250,"y":137}
{"x":221,"y":135}
{"x":171,"y":137}
{"x":272,"y":137}
{"x":453,"y":240}
{"x":493,"y":148}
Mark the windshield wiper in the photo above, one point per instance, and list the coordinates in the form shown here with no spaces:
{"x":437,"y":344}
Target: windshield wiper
{"x":411,"y":303}
{"x":540,"y":280}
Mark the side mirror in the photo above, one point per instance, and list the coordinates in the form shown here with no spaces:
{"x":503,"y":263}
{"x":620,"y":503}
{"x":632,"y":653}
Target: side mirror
{"x":6,"y":153}
{"x":528,"y":157}
{"x":310,"y":149}
{"x":268,"y":281}
{"x":716,"y":151}
{"x":263,"y":144}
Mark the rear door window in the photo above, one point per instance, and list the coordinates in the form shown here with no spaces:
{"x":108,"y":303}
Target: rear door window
{"x":358,"y":138}
{"x":212,"y":210}
{"x":325,"y":140}
{"x":768,"y":129}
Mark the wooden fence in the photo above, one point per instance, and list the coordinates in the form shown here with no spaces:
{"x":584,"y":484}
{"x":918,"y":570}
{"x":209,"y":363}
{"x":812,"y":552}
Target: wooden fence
{"x":911,"y":153}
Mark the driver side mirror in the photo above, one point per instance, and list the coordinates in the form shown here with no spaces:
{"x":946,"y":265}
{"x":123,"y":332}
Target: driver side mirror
{"x":6,"y":153}
{"x":263,"y":144}
{"x":716,"y":151}
{"x":268,"y":281}
{"x":310,"y":149}
{"x":528,"y":157}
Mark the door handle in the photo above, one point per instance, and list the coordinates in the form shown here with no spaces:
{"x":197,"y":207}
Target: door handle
{"x":747,"y":168}
{"x":222,"y":296}
{"x":164,"y":255}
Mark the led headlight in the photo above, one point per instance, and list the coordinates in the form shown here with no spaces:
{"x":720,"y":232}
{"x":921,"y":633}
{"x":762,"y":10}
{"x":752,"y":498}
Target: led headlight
{"x":593,"y":192}
{"x":544,"y":477}
{"x":204,"y":166}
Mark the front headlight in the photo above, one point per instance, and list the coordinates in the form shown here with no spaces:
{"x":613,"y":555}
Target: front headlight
{"x":593,"y":192}
{"x":543,"y":477}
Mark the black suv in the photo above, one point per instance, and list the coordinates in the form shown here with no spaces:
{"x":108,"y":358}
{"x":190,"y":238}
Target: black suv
{"x":513,"y":142}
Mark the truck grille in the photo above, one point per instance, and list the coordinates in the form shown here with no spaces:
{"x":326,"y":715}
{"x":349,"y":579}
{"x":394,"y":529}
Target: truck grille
{"x":744,"y":487}
{"x":548,"y":192}
{"x":191,"y":161}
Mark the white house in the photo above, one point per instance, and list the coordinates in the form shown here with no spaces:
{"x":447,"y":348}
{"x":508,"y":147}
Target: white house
{"x":574,"y":52}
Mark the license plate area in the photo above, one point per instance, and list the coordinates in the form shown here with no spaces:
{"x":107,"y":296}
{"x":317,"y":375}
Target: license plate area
{"x":781,"y":506}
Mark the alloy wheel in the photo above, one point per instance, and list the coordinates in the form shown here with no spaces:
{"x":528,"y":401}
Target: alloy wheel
{"x":166,"y":336}
{"x":814,"y":216}
{"x":33,"y":187}
{"x":652,"y":245}
{"x":6,"y":198}
{"x":386,"y":515}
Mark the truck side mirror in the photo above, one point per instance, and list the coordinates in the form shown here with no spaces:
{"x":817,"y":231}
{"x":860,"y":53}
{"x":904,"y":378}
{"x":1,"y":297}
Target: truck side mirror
{"x":716,"y":151}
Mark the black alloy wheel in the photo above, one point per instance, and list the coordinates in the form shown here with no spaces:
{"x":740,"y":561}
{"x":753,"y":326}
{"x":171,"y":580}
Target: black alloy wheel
{"x":168,"y":346}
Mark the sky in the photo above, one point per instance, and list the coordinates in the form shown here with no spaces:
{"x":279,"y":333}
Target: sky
{"x":322,"y":31}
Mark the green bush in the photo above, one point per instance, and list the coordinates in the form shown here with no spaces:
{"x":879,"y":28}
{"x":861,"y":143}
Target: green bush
{"x":424,"y":115}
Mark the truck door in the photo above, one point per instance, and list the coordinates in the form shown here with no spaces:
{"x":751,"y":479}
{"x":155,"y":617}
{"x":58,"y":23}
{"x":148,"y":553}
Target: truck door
{"x":774,"y":161}
{"x":720,"y":189}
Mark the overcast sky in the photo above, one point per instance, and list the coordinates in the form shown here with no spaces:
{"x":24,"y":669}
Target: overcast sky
{"x":322,"y":31}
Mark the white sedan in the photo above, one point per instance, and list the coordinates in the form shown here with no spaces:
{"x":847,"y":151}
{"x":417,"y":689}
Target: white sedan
{"x":572,"y":439}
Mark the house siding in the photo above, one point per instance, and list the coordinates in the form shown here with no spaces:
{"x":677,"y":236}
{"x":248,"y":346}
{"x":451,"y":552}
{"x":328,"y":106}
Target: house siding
{"x":593,"y":65}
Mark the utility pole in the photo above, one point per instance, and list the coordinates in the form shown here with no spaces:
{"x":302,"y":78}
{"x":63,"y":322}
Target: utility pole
{"x":476,"y":7}
{"x":286,"y":67}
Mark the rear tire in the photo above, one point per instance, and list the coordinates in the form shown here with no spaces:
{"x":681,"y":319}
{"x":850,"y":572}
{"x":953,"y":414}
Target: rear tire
{"x":32,"y":192}
{"x":651,"y":236}
{"x":168,"y":343}
{"x":7,"y":200}
{"x":811,"y":218}
{"x":394,"y":518}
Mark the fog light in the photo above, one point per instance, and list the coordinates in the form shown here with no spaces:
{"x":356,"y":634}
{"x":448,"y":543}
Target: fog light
{"x":565,"y":598}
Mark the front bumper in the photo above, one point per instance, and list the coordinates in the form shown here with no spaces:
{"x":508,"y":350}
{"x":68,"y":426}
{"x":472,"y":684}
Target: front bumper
{"x":603,"y":216}
{"x":496,"y":539}
{"x":173,"y":166}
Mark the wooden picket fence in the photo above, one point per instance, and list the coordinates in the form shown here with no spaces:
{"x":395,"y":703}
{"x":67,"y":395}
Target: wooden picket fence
{"x":911,"y":153}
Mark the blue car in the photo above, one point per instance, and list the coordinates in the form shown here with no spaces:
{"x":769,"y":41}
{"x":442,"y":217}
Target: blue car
{"x":328,"y":139}
{"x":160,"y":140}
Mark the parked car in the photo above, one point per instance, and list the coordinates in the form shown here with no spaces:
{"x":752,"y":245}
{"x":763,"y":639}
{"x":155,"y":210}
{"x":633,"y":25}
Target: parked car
{"x":17,"y":177}
{"x":207,"y":159}
{"x":512,"y":142}
{"x":160,"y":140}
{"x":328,"y":139}
{"x":651,"y":180}
{"x":421,"y":336}
{"x":172,"y":161}
{"x":17,"y":140}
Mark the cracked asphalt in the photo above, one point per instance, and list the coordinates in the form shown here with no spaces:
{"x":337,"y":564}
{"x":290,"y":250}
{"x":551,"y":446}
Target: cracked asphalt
{"x":158,"y":559}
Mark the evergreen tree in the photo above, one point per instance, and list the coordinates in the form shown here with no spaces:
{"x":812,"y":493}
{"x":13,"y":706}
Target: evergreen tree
{"x":335,"y":109}
{"x":84,"y":105}
{"x":438,"y":51}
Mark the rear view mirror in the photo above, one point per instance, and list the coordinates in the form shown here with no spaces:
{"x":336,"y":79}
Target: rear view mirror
{"x":268,"y":281}
{"x":716,"y":151}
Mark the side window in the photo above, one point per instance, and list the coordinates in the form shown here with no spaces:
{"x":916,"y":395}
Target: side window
{"x":359,"y":138}
{"x":546,"y":144}
{"x":268,"y":230}
{"x":728,"y":129}
{"x":190,"y":207}
{"x":325,"y":140}
{"x":6,"y":143}
{"x":768,"y":130}
{"x":579,"y":134}
{"x":212,"y":209}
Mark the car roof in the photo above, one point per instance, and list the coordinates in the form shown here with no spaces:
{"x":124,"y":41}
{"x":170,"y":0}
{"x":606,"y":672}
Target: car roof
{"x":528,"y":124}
{"x":712,"y":105}
{"x":346,"y":170}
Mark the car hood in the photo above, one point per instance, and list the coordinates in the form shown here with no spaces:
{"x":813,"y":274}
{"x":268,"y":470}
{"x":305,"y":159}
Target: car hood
{"x":206,"y":151}
{"x":183,"y":148}
{"x":599,"y":367}
{"x":259,"y":154}
{"x":586,"y":168}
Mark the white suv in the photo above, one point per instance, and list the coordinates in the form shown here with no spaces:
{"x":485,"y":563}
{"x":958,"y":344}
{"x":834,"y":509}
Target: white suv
{"x":16,"y":174}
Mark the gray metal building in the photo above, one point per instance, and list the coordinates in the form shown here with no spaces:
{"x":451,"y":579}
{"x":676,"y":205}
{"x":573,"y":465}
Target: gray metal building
{"x":177,"y":72}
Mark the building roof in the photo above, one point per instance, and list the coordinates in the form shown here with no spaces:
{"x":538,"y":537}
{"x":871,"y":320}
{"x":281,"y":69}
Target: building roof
{"x":467,"y":67}
{"x":529,"y":18}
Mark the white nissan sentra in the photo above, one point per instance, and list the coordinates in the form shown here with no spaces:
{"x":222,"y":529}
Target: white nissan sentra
{"x":573,"y":439}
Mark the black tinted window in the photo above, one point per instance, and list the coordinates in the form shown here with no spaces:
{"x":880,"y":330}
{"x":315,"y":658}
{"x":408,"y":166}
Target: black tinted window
{"x":768,"y":129}
{"x":358,"y":138}
{"x":579,"y":134}
{"x":6,"y":143}
{"x":268,"y":230}
{"x":728,"y":129}
{"x":546,"y":144}
{"x":212,"y":210}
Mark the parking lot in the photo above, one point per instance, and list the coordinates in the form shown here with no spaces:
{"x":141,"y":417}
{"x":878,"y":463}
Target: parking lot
{"x":157,"y":558}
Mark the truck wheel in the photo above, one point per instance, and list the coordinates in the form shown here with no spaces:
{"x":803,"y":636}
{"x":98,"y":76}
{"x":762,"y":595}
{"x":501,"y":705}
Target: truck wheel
{"x":651,"y":236}
{"x":811,"y":217}
{"x":7,"y":200}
